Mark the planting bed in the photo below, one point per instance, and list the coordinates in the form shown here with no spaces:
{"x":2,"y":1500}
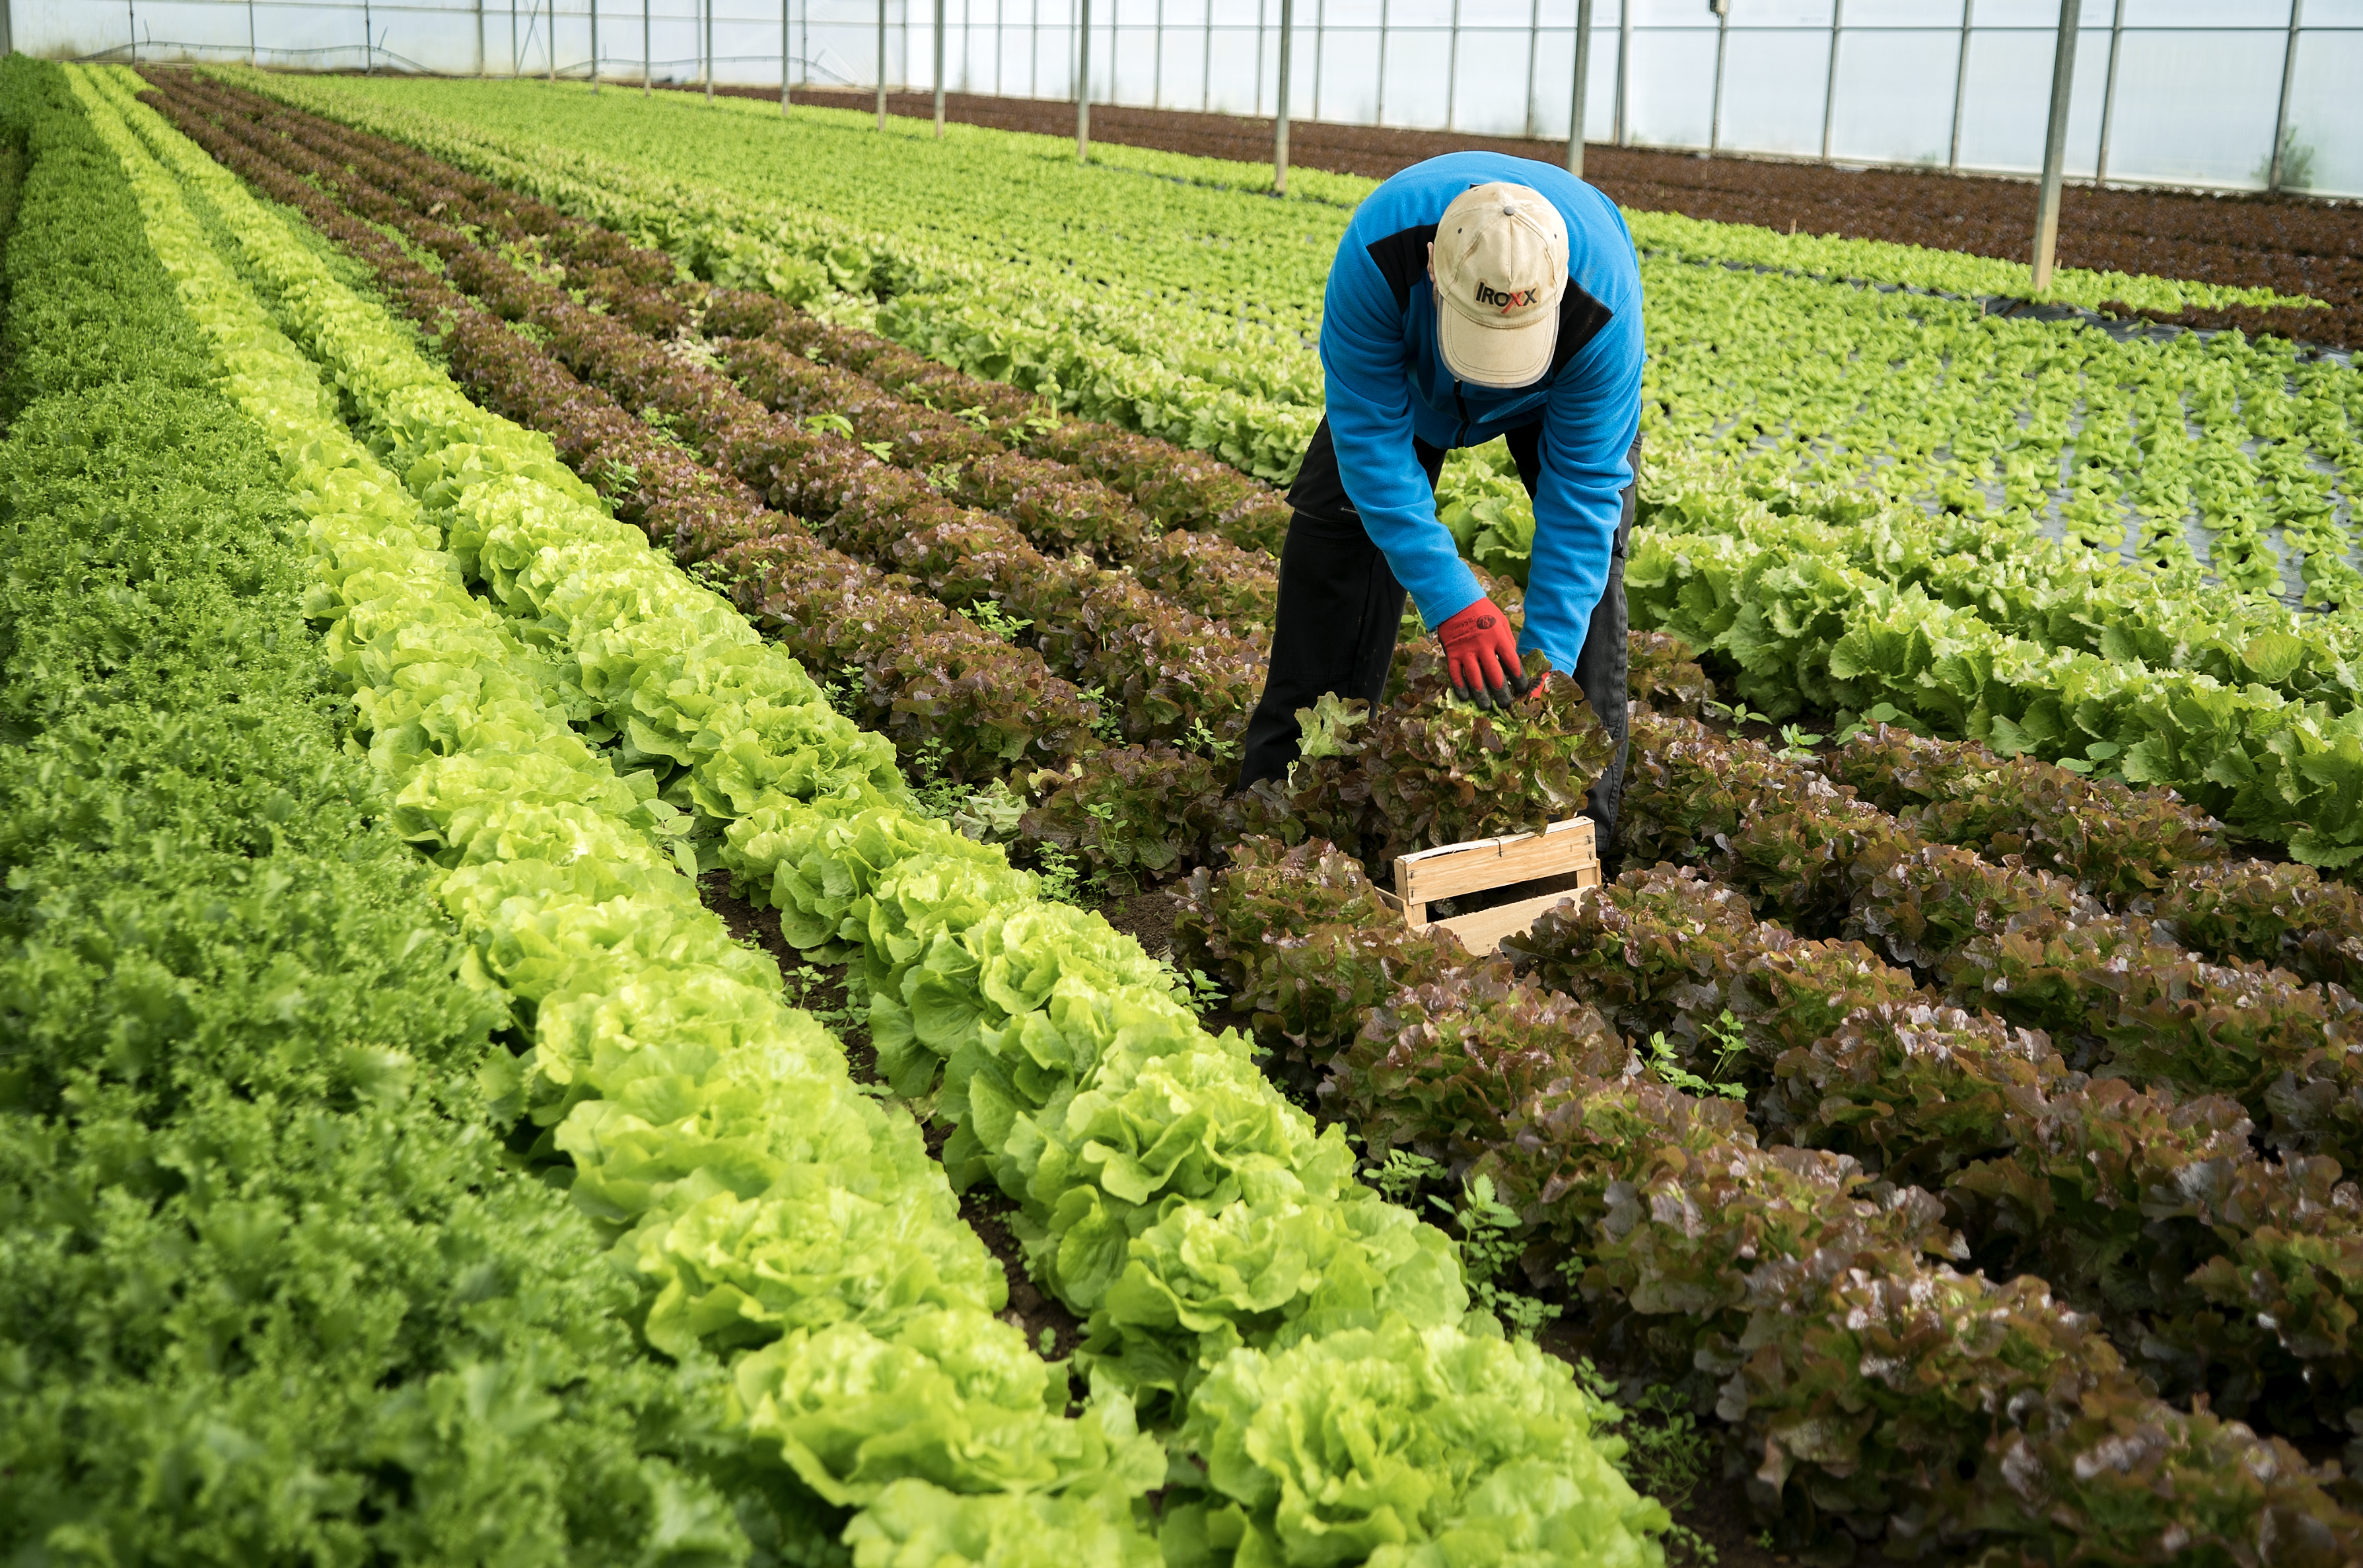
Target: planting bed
{"x":864,"y":1089}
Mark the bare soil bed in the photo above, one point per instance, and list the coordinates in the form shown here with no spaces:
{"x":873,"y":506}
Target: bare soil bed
{"x":2292,"y":244}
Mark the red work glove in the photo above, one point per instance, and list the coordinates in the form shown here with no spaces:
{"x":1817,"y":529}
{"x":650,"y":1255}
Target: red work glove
{"x":1480,"y":655}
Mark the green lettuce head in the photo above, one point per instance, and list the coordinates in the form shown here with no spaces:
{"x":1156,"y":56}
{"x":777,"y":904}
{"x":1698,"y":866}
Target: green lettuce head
{"x":1406,"y":1448}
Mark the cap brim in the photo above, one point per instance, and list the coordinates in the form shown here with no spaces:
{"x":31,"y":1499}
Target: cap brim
{"x":1496,"y":356}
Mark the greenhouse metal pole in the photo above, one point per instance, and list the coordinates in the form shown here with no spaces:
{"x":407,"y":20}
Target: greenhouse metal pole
{"x":2281,"y":121}
{"x":709,"y":48}
{"x":369,"y":55}
{"x":1960,"y":85}
{"x":1830,"y":76}
{"x":594,"y":46}
{"x":254,"y":55}
{"x":1452,"y":70}
{"x":1624,"y":63}
{"x":549,"y":42}
{"x":1206,"y":65}
{"x":1534,"y":45}
{"x":1280,"y":115}
{"x":1157,"y":67}
{"x":2054,"y":145}
{"x":1582,"y":78}
{"x":648,"y":61}
{"x":1083,"y":86}
{"x":1260,"y":30}
{"x":882,"y":64}
{"x":516,"y":66}
{"x":131,"y":23}
{"x":1320,"y":48}
{"x":2109,"y":96}
{"x":939,"y":70}
{"x":785,"y":50}
{"x":1379,"y":114}
{"x":1722,"y":9}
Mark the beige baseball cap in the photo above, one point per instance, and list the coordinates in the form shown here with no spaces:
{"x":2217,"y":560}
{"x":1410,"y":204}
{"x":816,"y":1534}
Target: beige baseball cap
{"x":1500,"y":267}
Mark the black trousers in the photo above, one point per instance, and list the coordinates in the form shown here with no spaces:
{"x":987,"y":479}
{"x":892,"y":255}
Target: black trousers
{"x":1340,"y":608}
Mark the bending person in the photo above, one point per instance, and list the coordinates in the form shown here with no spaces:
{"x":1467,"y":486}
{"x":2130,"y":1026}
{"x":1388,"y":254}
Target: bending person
{"x":1474,"y":296}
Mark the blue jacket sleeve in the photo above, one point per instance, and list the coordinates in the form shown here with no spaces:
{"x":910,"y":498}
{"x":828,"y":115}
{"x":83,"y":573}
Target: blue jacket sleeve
{"x":1370,"y":424}
{"x":1588,"y":429}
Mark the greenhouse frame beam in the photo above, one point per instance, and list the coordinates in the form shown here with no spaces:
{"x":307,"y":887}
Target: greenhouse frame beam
{"x":1583,"y":77}
{"x":2109,"y":96}
{"x":2054,"y":145}
{"x":1280,"y":115}
{"x":1830,"y":76}
{"x":1961,"y":84}
{"x":2280,"y":120}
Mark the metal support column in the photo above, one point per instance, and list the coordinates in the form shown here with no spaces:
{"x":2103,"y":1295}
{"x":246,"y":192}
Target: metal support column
{"x":1452,"y":70}
{"x":131,"y":22}
{"x":516,"y":64}
{"x":648,"y":60}
{"x":1157,"y":66}
{"x":1582,"y":80}
{"x":1534,"y":42}
{"x":1320,"y":48}
{"x":594,"y":46}
{"x":550,"y":41}
{"x":1830,"y":77}
{"x":882,"y":64}
{"x":1960,"y":84}
{"x":1624,"y":65}
{"x":1280,"y":106}
{"x":939,"y":70}
{"x":2054,"y":145}
{"x":1258,"y":109}
{"x":1083,"y":86}
{"x":709,"y":48}
{"x":1379,"y":114}
{"x":2280,"y":120}
{"x":786,"y":52}
{"x":1206,"y":66}
{"x":1722,"y":9}
{"x":369,"y":41}
{"x":2109,"y":97}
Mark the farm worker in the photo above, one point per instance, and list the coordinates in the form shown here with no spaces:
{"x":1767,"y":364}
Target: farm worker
{"x":1474,"y":296}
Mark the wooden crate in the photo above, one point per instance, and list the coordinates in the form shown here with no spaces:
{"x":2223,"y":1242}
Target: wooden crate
{"x":1482,"y":865}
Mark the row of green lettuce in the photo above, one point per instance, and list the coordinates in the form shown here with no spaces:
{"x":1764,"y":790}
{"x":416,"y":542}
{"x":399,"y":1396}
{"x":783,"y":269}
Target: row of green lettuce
{"x":1163,"y":305}
{"x":1233,"y":1278}
{"x":721,"y":1153}
{"x":1786,"y":602}
{"x":273,"y":1289}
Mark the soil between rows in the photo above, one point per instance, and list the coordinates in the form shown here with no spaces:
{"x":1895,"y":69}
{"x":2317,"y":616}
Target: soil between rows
{"x":2292,"y":244}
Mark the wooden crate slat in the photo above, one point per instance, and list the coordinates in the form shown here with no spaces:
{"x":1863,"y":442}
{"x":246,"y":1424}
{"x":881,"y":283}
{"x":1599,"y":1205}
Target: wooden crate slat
{"x":1446,"y":872}
{"x":1481,"y":933}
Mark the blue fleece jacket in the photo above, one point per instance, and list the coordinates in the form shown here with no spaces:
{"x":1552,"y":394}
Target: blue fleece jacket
{"x":1387,"y":381}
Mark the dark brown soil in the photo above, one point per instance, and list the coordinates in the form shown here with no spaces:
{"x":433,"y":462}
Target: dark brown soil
{"x":2292,"y":244}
